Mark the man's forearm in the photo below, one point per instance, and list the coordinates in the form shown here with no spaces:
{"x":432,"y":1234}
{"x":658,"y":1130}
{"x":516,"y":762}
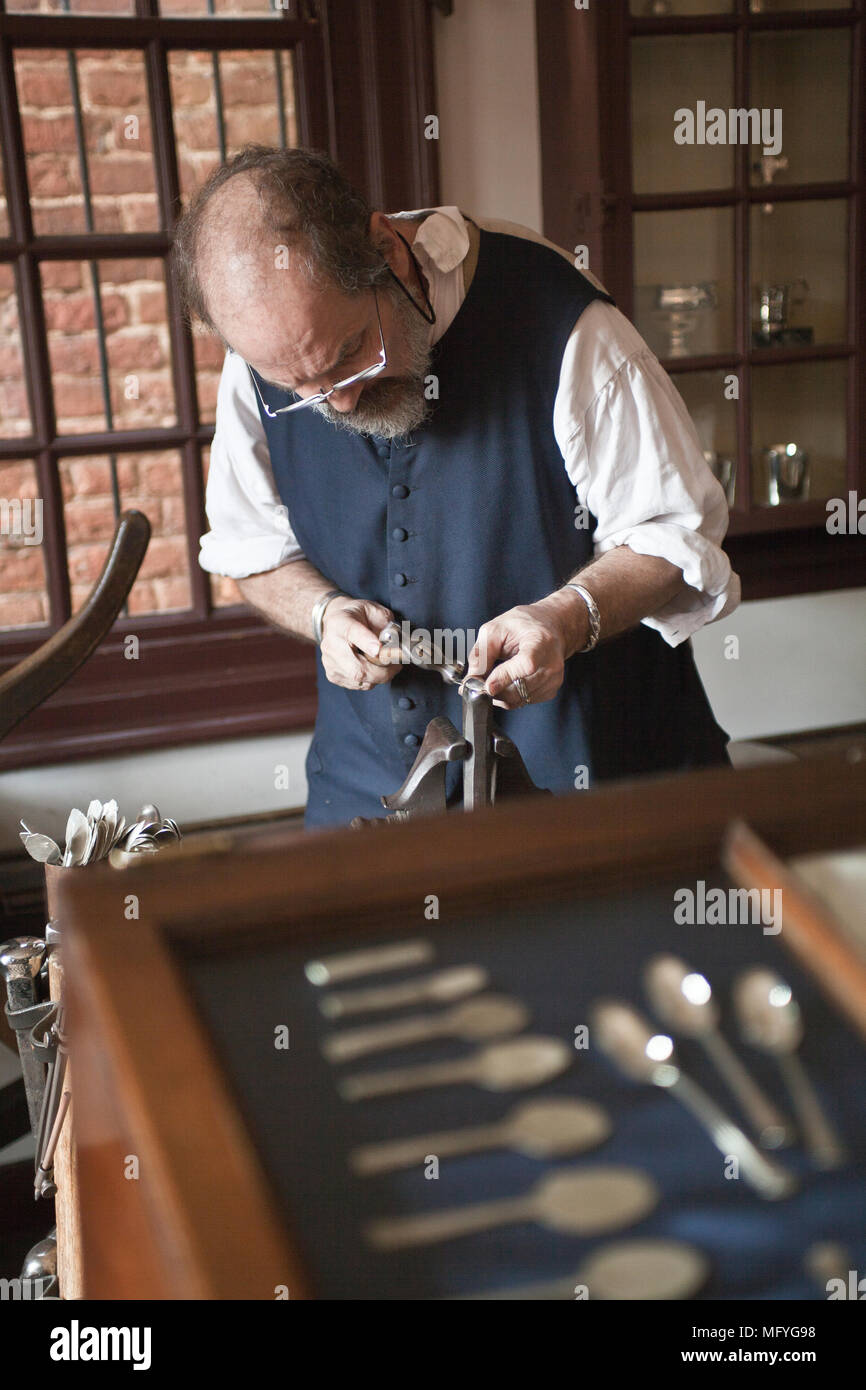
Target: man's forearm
{"x":286,"y":596}
{"x":626,"y":587}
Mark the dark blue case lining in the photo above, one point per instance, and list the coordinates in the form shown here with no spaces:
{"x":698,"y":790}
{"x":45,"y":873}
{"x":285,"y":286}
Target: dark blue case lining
{"x":558,"y":957}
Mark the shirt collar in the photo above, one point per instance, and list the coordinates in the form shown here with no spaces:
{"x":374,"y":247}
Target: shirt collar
{"x":442,"y":241}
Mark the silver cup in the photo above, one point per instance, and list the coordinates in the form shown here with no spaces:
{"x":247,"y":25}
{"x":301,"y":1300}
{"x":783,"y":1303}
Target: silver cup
{"x":787,"y":473}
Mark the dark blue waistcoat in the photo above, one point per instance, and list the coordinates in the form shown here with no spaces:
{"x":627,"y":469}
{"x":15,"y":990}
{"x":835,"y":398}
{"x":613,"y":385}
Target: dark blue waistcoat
{"x":448,"y":528}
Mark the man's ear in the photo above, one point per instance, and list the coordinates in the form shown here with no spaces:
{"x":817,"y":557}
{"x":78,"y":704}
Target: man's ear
{"x":383,"y":238}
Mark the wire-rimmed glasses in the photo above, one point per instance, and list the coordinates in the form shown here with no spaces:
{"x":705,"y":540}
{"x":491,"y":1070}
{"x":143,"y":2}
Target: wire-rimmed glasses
{"x":367,"y":372}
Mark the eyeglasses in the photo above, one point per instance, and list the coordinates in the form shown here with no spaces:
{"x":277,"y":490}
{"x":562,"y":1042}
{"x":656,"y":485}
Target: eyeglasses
{"x":339,"y":386}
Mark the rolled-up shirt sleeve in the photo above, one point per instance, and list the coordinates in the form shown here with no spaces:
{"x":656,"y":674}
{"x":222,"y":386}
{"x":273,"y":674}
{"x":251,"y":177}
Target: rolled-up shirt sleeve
{"x":250,"y":530}
{"x":635,"y":460}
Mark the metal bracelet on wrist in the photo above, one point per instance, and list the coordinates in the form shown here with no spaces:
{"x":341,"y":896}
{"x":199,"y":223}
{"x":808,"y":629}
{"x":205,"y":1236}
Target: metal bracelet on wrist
{"x":594,"y":615}
{"x":318,"y":615}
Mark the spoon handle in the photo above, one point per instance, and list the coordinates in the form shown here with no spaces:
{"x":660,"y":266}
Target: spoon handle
{"x":397,"y":1232}
{"x":822,"y":1141}
{"x":389,"y":1083}
{"x":770,"y":1124}
{"x":376,"y":1037}
{"x":403,"y":1153}
{"x":768,"y":1178}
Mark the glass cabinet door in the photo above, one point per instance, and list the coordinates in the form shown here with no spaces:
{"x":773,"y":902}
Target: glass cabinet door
{"x":742,"y":183}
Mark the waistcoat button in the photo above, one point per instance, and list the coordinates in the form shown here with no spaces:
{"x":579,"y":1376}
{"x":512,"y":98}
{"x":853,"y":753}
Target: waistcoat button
{"x":399,"y":490}
{"x":412,"y":740}
{"x":400,"y":580}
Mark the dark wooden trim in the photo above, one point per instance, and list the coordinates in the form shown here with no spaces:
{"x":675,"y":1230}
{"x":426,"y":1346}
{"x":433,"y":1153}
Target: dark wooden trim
{"x":594,"y":45}
{"x":162,"y":1094}
{"x":194,"y":681}
{"x":136,"y":31}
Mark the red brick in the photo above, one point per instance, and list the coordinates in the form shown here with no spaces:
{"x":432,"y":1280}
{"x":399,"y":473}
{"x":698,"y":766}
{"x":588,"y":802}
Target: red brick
{"x":52,"y":176}
{"x":208,"y":388}
{"x":160,"y":477}
{"x":61,"y":275}
{"x":151,"y":306}
{"x":85,"y":478}
{"x":155,"y":405}
{"x":89,"y":521}
{"x":43,"y":86}
{"x":124,"y":272}
{"x":127,"y":474}
{"x":252,"y":123}
{"x":10,"y":360}
{"x":85,"y":563}
{"x":196,"y":131}
{"x":122,"y":173}
{"x":71,"y":314}
{"x":21,"y":612}
{"x":140,"y":214}
{"x":59,"y":221}
{"x":24,"y":572}
{"x":78,"y":398}
{"x":165,"y":558}
{"x":209,"y":352}
{"x":13,"y":403}
{"x":113,"y":85}
{"x":190,"y":88}
{"x":142,"y":598}
{"x":133,"y":351}
{"x":172,"y":594}
{"x":248,"y":85}
{"x":75,"y":356}
{"x":173,"y":516}
{"x":18,"y":480}
{"x":56,"y":134}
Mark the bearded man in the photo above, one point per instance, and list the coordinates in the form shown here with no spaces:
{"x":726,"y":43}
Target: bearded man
{"x":438,"y":419}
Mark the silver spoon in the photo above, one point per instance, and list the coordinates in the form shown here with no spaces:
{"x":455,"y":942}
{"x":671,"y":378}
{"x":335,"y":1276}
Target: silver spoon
{"x":505,"y":1066}
{"x":77,"y":835}
{"x":625,"y":1037}
{"x":41,"y":847}
{"x":770,"y":1019}
{"x":491,"y":1016}
{"x":441,"y":987}
{"x":577,"y":1201}
{"x":683,"y":1000}
{"x":554,"y":1128}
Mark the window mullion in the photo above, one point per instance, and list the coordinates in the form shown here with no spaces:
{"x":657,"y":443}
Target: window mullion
{"x":182,"y":355}
{"x":34,"y":343}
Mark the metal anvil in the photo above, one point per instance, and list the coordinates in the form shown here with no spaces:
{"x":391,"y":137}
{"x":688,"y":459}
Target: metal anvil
{"x":492,"y":765}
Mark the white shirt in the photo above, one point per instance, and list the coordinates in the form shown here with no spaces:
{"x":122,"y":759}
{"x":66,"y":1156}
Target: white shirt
{"x":628,"y":446}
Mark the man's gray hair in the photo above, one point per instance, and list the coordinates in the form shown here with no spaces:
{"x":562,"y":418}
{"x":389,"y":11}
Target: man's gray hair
{"x":307,"y":204}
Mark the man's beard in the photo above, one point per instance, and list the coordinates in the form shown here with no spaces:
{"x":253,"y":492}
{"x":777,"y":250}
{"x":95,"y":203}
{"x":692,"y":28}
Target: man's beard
{"x":392,"y":406}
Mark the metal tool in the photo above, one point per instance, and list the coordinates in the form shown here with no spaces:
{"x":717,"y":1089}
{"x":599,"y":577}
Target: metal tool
{"x":492,"y":764}
{"x":20,"y":961}
{"x":628,"y":1040}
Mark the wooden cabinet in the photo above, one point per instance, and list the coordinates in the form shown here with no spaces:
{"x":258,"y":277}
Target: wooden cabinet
{"x":710,"y":156}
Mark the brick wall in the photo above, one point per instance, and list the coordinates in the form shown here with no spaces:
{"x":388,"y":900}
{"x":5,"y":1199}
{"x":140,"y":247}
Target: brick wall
{"x":131,"y":293}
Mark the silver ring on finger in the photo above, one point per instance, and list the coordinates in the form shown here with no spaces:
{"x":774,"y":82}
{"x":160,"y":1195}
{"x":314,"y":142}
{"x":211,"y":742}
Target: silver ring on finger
{"x":522,"y":690}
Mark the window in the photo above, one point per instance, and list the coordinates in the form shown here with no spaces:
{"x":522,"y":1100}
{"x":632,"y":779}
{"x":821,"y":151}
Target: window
{"x":111,"y":113}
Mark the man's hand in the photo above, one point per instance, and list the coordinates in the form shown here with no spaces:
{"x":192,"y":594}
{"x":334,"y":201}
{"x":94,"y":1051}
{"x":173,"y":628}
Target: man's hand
{"x":533,"y":641}
{"x":350,"y":631}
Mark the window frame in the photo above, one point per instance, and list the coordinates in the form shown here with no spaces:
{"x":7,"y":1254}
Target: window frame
{"x":364,"y":85}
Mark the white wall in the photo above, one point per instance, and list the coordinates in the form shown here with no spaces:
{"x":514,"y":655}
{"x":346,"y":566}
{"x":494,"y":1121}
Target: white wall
{"x":487,"y":90}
